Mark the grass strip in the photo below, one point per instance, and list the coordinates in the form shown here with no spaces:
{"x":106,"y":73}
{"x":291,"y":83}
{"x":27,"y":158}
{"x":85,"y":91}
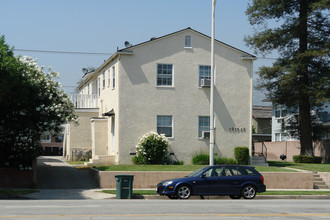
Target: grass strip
{"x":190,"y":168}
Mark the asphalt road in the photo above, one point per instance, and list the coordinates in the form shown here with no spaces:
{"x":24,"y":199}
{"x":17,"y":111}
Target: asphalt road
{"x":164,"y":209}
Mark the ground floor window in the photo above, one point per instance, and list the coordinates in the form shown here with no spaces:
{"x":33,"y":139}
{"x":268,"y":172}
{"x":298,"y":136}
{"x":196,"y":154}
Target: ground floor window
{"x":165,"y":125}
{"x":203,"y":125}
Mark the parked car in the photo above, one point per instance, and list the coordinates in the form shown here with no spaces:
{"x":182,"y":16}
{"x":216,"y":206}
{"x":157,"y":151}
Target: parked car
{"x":226,"y":180}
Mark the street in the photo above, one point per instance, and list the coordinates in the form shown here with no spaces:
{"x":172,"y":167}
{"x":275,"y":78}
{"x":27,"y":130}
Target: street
{"x":164,"y":209}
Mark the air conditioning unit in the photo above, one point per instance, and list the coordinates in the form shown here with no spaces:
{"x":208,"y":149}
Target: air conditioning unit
{"x":205,"y":82}
{"x":205,"y":134}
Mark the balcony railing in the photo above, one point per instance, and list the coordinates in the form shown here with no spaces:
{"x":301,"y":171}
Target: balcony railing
{"x":84,"y":101}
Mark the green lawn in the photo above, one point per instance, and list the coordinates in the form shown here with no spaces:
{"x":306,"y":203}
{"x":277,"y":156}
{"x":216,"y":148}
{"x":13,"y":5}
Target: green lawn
{"x":152,"y":192}
{"x":303,"y":166}
{"x":176,"y":168}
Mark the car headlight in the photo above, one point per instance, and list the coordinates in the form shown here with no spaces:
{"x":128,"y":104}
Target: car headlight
{"x":167,"y":183}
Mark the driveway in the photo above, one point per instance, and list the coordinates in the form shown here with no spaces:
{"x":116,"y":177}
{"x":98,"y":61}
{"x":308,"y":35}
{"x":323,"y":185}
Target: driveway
{"x":54,"y":173}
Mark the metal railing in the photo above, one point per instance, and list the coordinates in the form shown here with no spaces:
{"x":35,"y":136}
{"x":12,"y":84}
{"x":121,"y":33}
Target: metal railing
{"x":84,"y":101}
{"x":264,"y":152}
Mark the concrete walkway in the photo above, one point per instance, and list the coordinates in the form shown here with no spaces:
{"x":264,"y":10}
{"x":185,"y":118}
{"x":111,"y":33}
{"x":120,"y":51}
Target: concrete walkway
{"x":55,"y":173}
{"x":57,"y":179}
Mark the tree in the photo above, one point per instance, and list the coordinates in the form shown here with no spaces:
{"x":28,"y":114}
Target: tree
{"x":300,"y":77}
{"x":31,"y":103}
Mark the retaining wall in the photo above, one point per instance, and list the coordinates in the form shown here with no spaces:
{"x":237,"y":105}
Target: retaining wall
{"x":276,"y":180}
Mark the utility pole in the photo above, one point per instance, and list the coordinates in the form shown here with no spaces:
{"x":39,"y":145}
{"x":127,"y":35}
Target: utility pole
{"x":212,"y":89}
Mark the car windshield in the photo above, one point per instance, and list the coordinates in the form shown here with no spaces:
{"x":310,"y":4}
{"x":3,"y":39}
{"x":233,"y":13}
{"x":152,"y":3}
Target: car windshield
{"x":196,"y":173}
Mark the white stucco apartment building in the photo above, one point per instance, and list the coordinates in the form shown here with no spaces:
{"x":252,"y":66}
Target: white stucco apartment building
{"x":163,"y":85}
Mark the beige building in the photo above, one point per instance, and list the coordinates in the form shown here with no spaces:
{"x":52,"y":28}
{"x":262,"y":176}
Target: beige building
{"x":163,"y":85}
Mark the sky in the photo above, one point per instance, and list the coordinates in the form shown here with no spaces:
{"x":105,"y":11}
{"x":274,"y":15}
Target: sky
{"x":102,"y":26}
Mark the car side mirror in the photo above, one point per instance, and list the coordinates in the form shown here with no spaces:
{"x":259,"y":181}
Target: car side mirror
{"x":203,"y":175}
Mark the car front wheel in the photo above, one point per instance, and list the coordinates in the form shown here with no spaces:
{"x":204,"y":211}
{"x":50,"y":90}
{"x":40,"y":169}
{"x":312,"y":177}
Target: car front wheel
{"x":249,"y":192}
{"x":183,"y":192}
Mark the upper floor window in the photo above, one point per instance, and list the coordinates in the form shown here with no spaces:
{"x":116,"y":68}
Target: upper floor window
{"x":203,"y":125}
{"x":280,"y":111}
{"x":113,"y":77}
{"x":109,"y":79}
{"x":45,"y":138}
{"x":164,"y":74}
{"x":165,"y":125}
{"x":204,"y":73}
{"x":187,"y":41}
{"x":98,"y":86}
{"x":103,"y":80}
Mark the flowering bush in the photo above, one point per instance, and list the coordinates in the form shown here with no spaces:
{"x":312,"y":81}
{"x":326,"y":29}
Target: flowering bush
{"x":31,"y":103}
{"x":152,"y":149}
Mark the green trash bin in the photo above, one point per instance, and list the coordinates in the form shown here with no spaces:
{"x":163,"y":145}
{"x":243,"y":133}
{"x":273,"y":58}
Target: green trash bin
{"x":124,"y":186}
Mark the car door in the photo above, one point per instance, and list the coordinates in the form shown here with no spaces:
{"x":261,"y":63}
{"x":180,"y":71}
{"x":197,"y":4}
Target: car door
{"x":232,"y":180}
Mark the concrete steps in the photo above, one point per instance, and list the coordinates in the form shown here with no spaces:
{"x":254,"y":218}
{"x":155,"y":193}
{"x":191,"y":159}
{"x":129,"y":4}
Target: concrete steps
{"x":259,"y":161}
{"x":100,"y":160}
{"x":318,"y":182}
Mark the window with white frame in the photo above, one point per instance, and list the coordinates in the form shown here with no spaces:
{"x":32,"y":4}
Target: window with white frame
{"x":103,"y":80}
{"x":187,"y":41}
{"x":204,"y":73}
{"x":203,"y":125}
{"x":98,"y":86}
{"x":280,"y":111}
{"x":164,"y":74}
{"x":109,"y":79}
{"x":281,"y":137}
{"x":113,"y":77}
{"x":165,"y":125}
{"x":45,"y":137}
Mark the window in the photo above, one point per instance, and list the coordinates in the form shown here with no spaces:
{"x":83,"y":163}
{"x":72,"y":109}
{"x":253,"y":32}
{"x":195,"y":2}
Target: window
{"x":165,"y":125}
{"x":103,"y":80}
{"x":204,"y":73}
{"x":187,"y":41}
{"x":203,"y":124}
{"x":281,"y":137}
{"x":98,"y":86}
{"x":164,"y":74}
{"x":113,"y":77}
{"x":109,"y":78}
{"x":280,"y":111}
{"x":45,"y":138}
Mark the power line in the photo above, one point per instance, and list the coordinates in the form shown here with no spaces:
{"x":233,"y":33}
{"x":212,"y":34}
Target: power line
{"x":63,"y":52}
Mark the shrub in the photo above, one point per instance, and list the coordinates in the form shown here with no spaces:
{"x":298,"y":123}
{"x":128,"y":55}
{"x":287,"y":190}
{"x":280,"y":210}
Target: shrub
{"x":306,"y":159}
{"x":201,"y":159}
{"x":242,"y":155}
{"x":152,"y":149}
{"x":204,"y":159}
{"x":225,"y":161}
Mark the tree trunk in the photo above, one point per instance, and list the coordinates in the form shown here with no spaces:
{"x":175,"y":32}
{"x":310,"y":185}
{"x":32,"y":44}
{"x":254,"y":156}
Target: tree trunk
{"x":305,"y":126}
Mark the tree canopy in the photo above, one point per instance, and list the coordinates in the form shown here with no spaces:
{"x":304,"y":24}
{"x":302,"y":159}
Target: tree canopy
{"x":31,"y":103}
{"x":300,"y":76}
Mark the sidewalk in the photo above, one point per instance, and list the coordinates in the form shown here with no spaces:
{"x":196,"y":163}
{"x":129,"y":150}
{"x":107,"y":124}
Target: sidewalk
{"x":50,"y":194}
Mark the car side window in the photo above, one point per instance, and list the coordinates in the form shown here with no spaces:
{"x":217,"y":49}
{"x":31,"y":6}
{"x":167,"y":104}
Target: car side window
{"x":228,"y":172}
{"x":214,"y":172}
{"x":249,"y":172}
{"x":236,"y":171}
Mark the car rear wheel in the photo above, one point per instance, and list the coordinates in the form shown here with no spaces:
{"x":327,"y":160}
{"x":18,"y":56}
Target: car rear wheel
{"x":183,"y":192}
{"x":235,"y":196}
{"x":249,"y":192}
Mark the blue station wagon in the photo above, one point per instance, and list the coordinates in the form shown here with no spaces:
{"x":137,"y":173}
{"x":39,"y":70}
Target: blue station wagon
{"x":226,"y":180}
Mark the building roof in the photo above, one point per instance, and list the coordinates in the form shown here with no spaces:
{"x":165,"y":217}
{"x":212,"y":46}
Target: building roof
{"x":188,"y":28}
{"x":264,"y":112}
{"x":128,"y":50}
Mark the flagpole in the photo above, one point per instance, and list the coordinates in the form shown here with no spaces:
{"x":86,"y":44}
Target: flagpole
{"x":212,"y":89}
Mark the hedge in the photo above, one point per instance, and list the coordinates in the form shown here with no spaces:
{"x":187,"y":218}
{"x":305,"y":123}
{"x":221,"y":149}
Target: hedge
{"x":242,"y":155}
{"x":306,"y":159}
